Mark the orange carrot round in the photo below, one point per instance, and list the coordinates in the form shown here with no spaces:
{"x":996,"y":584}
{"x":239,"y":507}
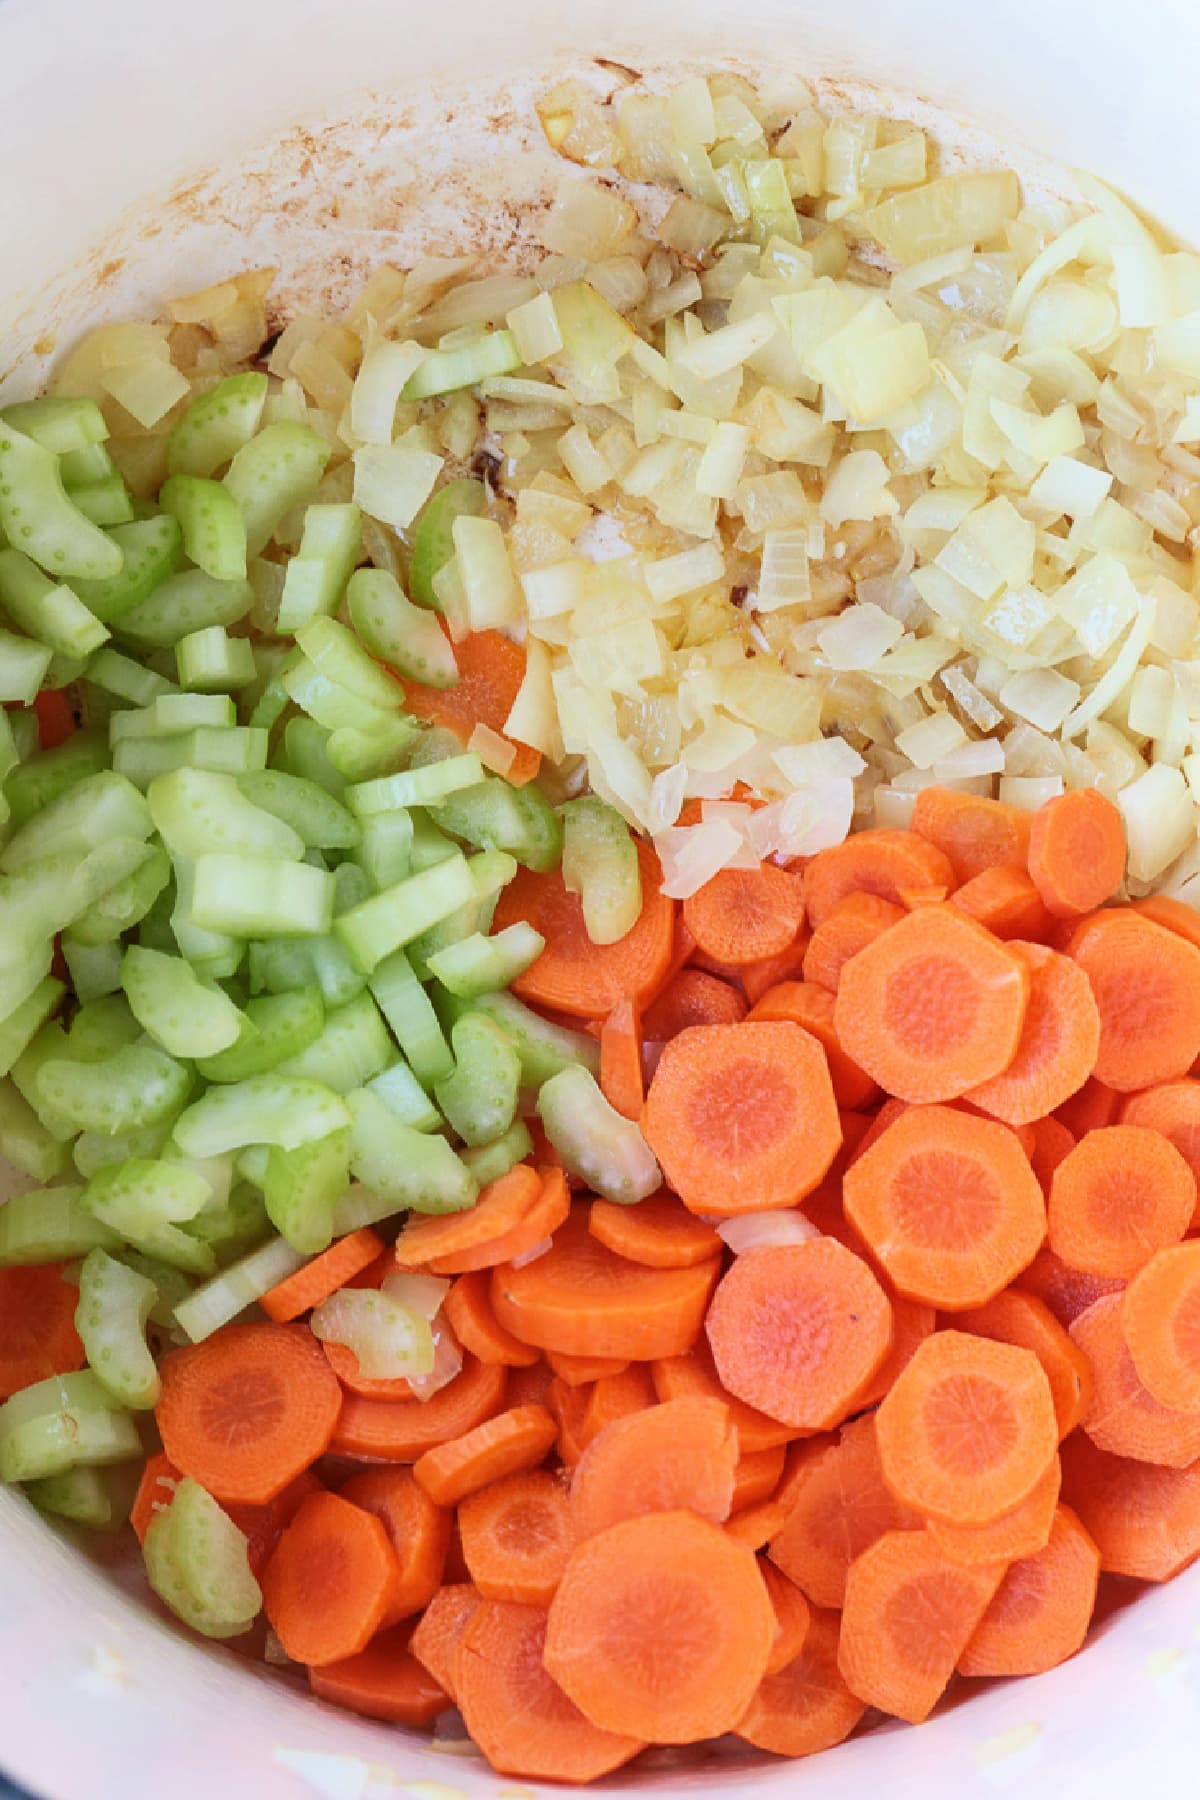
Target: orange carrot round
{"x":1172,"y":1109}
{"x":1005,"y":902}
{"x":853,"y":924}
{"x":1094,"y":1105}
{"x":568,"y":1407}
{"x":322,"y":1276}
{"x":344,"y":1364}
{"x":503,"y":1445}
{"x":912,"y":1323}
{"x":839,"y":1506}
{"x":897,"y":865}
{"x":529,"y":1386}
{"x":805,"y":1705}
{"x":622,"y":1080}
{"x":1172,"y":915}
{"x":263,"y":1525}
{"x":1052,"y":1144}
{"x":757,"y":1475}
{"x":419,"y":1533}
{"x":742,"y":915}
{"x":517,"y":1537}
{"x":812,"y":1008}
{"x":973,"y":833}
{"x":1146,"y":982}
{"x":1040,"y":1613}
{"x":37,"y":1327}
{"x":1160,"y":1321}
{"x":328,"y":1588}
{"x":616,"y":1397}
{"x":757,"y":978}
{"x":439,"y":1631}
{"x":1077,"y":852}
{"x":1143,"y":1518}
{"x":583,"y":1371}
{"x":696,"y":1373}
{"x":1124,"y":1416}
{"x":678,"y":1455}
{"x":659,"y":1232}
{"x":1066,"y":1291}
{"x":384,"y":1681}
{"x":541,"y":1221}
{"x":1059,"y":1041}
{"x":1121,"y":1194}
{"x":792,"y":1612}
{"x":56,"y":721}
{"x":468,"y":1307}
{"x":500,"y":1206}
{"x":755,"y":1526}
{"x":1022,"y":1532}
{"x":402,"y":1430}
{"x":1017,"y":1318}
{"x":692,"y":997}
{"x":491,"y":669}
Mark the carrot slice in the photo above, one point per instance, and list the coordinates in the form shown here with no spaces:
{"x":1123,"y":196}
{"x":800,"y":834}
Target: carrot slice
{"x":662,"y":1626}
{"x":543,"y":1219}
{"x":328,"y":1588}
{"x":758,"y":977}
{"x":384,"y":1681}
{"x":679,"y":1455}
{"x":1066,"y":1291}
{"x":1121,"y":1194}
{"x":56,"y":721}
{"x":37,"y":1327}
{"x":1005,"y":902}
{"x":1160,"y":1321}
{"x":568,"y":1406}
{"x":1040,"y":1613}
{"x":896,"y":865}
{"x":491,"y":669}
{"x":853,"y":924}
{"x":793,"y":1616}
{"x":797,"y":1332}
{"x":582,"y":1371}
{"x":418,"y":1530}
{"x":515,"y":1710}
{"x":503,"y":1445}
{"x":344,"y":1364}
{"x":375,"y":1273}
{"x":439,"y":1632}
{"x":1124,"y":1417}
{"x":1172,"y":915}
{"x":1077,"y":852}
{"x":572,"y":974}
{"x":812,"y":1008}
{"x":948,"y":1204}
{"x":755,"y":1526}
{"x":468,"y":1307}
{"x":756,"y":1477}
{"x":675,"y":1377}
{"x":517,"y":1537}
{"x":621,"y":1079}
{"x":659,"y":1232}
{"x":969,"y":1429}
{"x":1059,"y":1041}
{"x":1172,"y":1109}
{"x":692,"y":998}
{"x":1146,"y":983}
{"x":933,"y":1007}
{"x":839,"y":1505}
{"x":501,"y":1205}
{"x":1144,"y":1519}
{"x":742,"y":1117}
{"x":743,"y":915}
{"x":529,"y":1386}
{"x":155,"y":1490}
{"x":1052,"y":1144}
{"x":247,"y":1409}
{"x":581,"y":1299}
{"x":323,"y":1276}
{"x":263,"y":1525}
{"x":614,"y":1397}
{"x":973,"y":833}
{"x":912,"y":1323}
{"x":910,"y":1613}
{"x":1094,"y":1105}
{"x":804,"y":1706}
{"x":1017,"y":1318}
{"x":402,"y":1430}
{"x":1022,"y":1532}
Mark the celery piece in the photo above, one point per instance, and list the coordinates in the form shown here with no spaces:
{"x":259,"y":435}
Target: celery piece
{"x":182,"y":1013}
{"x":53,"y":892}
{"x":306,"y":754}
{"x":95,"y":1150}
{"x":48,"y":773}
{"x":360,"y":754}
{"x":184,"y":603}
{"x":254,"y":896}
{"x":22,"y":965}
{"x":594,"y":1140}
{"x":279,"y":965}
{"x":252,"y":1163}
{"x":24,"y":1141}
{"x":172,"y":1286}
{"x":49,"y":1041}
{"x":276,"y":470}
{"x":488,"y":1162}
{"x":154,"y":931}
{"x":37,"y":517}
{"x":432,"y":535}
{"x":114,"y":1304}
{"x":99,"y":1498}
{"x":127,"y":902}
{"x":272,"y":702}
{"x":200,"y":810}
{"x":225,"y":751}
{"x":146,"y":1202}
{"x":480,"y":1098}
{"x":95,"y":969}
{"x":405,"y":637}
{"x":94,"y":810}
{"x":63,"y":424}
{"x":481,"y":965}
{"x":392,"y":919}
{"x":328,"y":703}
{"x":600,"y":864}
{"x":50,"y":1225}
{"x":544,"y":1048}
{"x":149,"y":549}
{"x":217,"y":424}
{"x":199,"y":1553}
{"x":385,"y":852}
{"x":277,"y":1027}
{"x":100,"y":1027}
{"x":235,"y":1227}
{"x":429,"y":845}
{"x":403,"y":1167}
{"x":403,"y":1095}
{"x":389,"y":1340}
{"x":210,"y":661}
{"x":138,"y":1085}
{"x":105,"y":502}
{"x":175,"y":713}
{"x":23,"y":666}
{"x":26,"y":730}
{"x":409,"y":1011}
{"x":228,"y":1293}
{"x":491,"y":353}
{"x":352,"y":885}
{"x":318,"y":820}
{"x":264,"y":1109}
{"x":303,"y":1185}
{"x":464,"y":922}
{"x":316,"y":577}
{"x":63,"y":1423}
{"x":418,"y":786}
{"x":338,"y":657}
{"x":18,"y":1030}
{"x":214,"y":532}
{"x":47,"y":610}
{"x":495,"y":816}
{"x":353,"y":1046}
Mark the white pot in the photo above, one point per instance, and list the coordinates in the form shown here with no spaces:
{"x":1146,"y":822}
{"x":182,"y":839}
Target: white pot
{"x":147,"y":147}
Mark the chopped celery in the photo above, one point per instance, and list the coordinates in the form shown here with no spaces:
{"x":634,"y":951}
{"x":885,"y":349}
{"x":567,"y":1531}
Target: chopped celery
{"x":256,"y":896}
{"x":48,"y":611}
{"x":114,"y":1305}
{"x":138,"y":1085}
{"x":65,"y":425}
{"x":236,"y":1227}
{"x":386,"y":848}
{"x":22,"y":966}
{"x":278,"y":965}
{"x":200,"y":810}
{"x":20,"y":1027}
{"x":432,"y":535}
{"x":302,"y":1187}
{"x":48,"y":773}
{"x":100,"y":1027}
{"x":409,"y":1011}
{"x":37,"y":517}
{"x":480,"y":1098}
{"x":217,"y":424}
{"x":94,"y":810}
{"x":339,"y":658}
{"x":149,"y":548}
{"x":214,"y":532}
{"x":127,"y":902}
{"x":481,"y":965}
{"x":464,"y":922}
{"x":223,"y":750}
{"x":491,"y":353}
{"x":252,"y":1162}
{"x":23,"y":666}
{"x":418,"y":786}
{"x":25,"y":1142}
{"x":99,"y":1498}
{"x":429,"y":845}
{"x":600,"y":864}
{"x":95,"y":969}
{"x":495,"y":816}
{"x":275,"y":471}
{"x":277,"y":1027}
{"x":66,"y":1422}
{"x":402,"y":1167}
{"x":405,"y":637}
{"x":316,"y":576}
{"x":199,"y":1553}
{"x":182,"y":1013}
{"x":95,"y":1150}
{"x":210,"y":661}
{"x":403,"y":1095}
{"x":376,"y":928}
{"x":353,"y":1047}
{"x":264,"y":1109}
{"x":488,"y":1162}
{"x":184,"y":603}
{"x":317,"y":818}
{"x":146,"y":1202}
{"x":127,"y":679}
{"x":48,"y":1042}
{"x":306,"y":753}
{"x":50,"y":1225}
{"x":174,"y":713}
{"x":594,"y":1140}
{"x":544,"y":1048}
{"x":218,"y":1301}
{"x":360,"y":754}
{"x":390,"y":1341}
{"x":106,"y":501}
{"x":171,"y":1285}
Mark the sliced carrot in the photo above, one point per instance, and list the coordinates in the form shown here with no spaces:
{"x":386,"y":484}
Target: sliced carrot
{"x":797,"y":1332}
{"x":759,"y":977}
{"x":322,"y":1276}
{"x":568,"y":1407}
{"x":375,"y":1273}
{"x":949,"y":1206}
{"x":418,"y":1530}
{"x":805,"y":1705}
{"x":616,"y":1397}
{"x":582,"y":1371}
{"x":838,"y":1507}
{"x":1144,"y":1519}
{"x":503,"y":1445}
{"x":692,"y":998}
{"x":659,"y":1232}
{"x":574,"y":975}
{"x":1146,"y":982}
{"x":1077,"y":852}
{"x":491,"y":669}
{"x":155,"y":1490}
{"x":581,"y":1299}
{"x":344,"y":1364}
{"x":662,"y":1627}
{"x":384,"y":1681}
{"x":1059,"y":1041}
{"x":897,"y":865}
{"x":1052,"y":1144}
{"x":1160,"y":1321}
{"x":1124,"y":1417}
{"x":1066,"y":1291}
{"x":517,"y":1537}
{"x":755,"y":1526}
{"x":910,"y":1613}
{"x":439,"y":1632}
{"x":263,"y":1525}
{"x":543,"y":1219}
{"x":1005,"y":902}
{"x":1017,"y":1318}
{"x":328,"y":1588}
{"x":792,"y":1616}
{"x":968,"y":1430}
{"x":912,"y":1323}
{"x":812,"y":1008}
{"x":973,"y":833}
{"x":56,"y":720}
{"x":886,"y":1114}
{"x":468,"y":1307}
{"x":678,"y":1455}
{"x":853,"y":924}
{"x":756,"y":1477}
{"x":1172,"y":915}
{"x":1094,"y":1105}
{"x":1122,"y":1193}
{"x":742,"y":1117}
{"x":37,"y":1326}
{"x":933,"y":1007}
{"x":743,"y":915}
{"x":529,"y":1386}
{"x":1040,"y":1613}
{"x":515,"y":1710}
{"x":247,"y":1409}
{"x":503,"y":1204}
{"x":800,"y":1458}
{"x":696,"y":1373}
{"x":621,"y":1079}
{"x":1022,"y":1532}
{"x":402,"y":1430}
{"x":1173,"y":1109}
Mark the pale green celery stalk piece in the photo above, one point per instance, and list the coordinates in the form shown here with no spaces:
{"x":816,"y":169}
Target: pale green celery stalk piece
{"x":154,"y":931}
{"x":254,"y":896}
{"x":353,"y":1047}
{"x":95,"y":1150}
{"x":105,"y":502}
{"x":318,"y":819}
{"x":47,"y":1043}
{"x":186,"y":1017}
{"x":401,"y":1167}
{"x":490,"y":1161}
{"x":174,"y":713}
{"x":47,"y":773}
{"x":492,"y":353}
{"x":127,"y":902}
{"x":462,"y":923}
{"x":114,"y":1304}
{"x":83,"y":465}
{"x":37,"y":517}
{"x":18,"y":1030}
{"x":337,"y":655}
{"x":389,"y":1340}
{"x":483,"y":965}
{"x":50,"y":1225}
{"x":495,"y":816}
{"x":64,"y":671}
{"x":46,"y":896}
{"x":23,"y":965}
{"x":302,"y":1186}
{"x":229,"y":751}
{"x":66,"y":1422}
{"x":403,"y":1094}
{"x":171,"y":1285}
{"x":432,"y":535}
{"x":406,"y":637}
{"x":128,"y":680}
{"x":373,"y":930}
{"x":95,"y":969}
{"x":480,"y":1098}
{"x":138,"y":1085}
{"x":212,"y":662}
{"x":149,"y":550}
{"x":100,"y":1498}
{"x":360,"y":754}
{"x":422,"y":786}
{"x":594,"y":1140}
{"x":305,"y":752}
{"x":271,"y":699}
{"x":26,"y":731}
{"x":329,"y":703}
{"x":385,"y":850}
{"x":429,"y":845}
{"x":277,"y":1027}
{"x":279,"y":965}
{"x":192,"y":1555}
{"x":217,"y":424}
{"x":600,"y":864}
{"x":214,"y":531}
{"x":237,"y":1227}
{"x":85,"y":816}
{"x":229,"y":1293}
{"x":47,"y":610}
{"x":146,"y":1202}
{"x":409,"y":1012}
{"x":23,"y":666}
{"x":316,"y":577}
{"x":215,"y":1171}
{"x":213,"y":954}
{"x":24,"y":1141}
{"x":265,"y":1109}
{"x":200,"y":810}
{"x":252,"y":1163}
{"x":276,"y":470}
{"x":100,"y":1027}
{"x":64,"y":424}
{"x":181,"y":604}
{"x":544,"y":1048}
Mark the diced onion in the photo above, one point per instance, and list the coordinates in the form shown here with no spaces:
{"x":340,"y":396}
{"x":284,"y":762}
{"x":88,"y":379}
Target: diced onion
{"x":766,"y":1230}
